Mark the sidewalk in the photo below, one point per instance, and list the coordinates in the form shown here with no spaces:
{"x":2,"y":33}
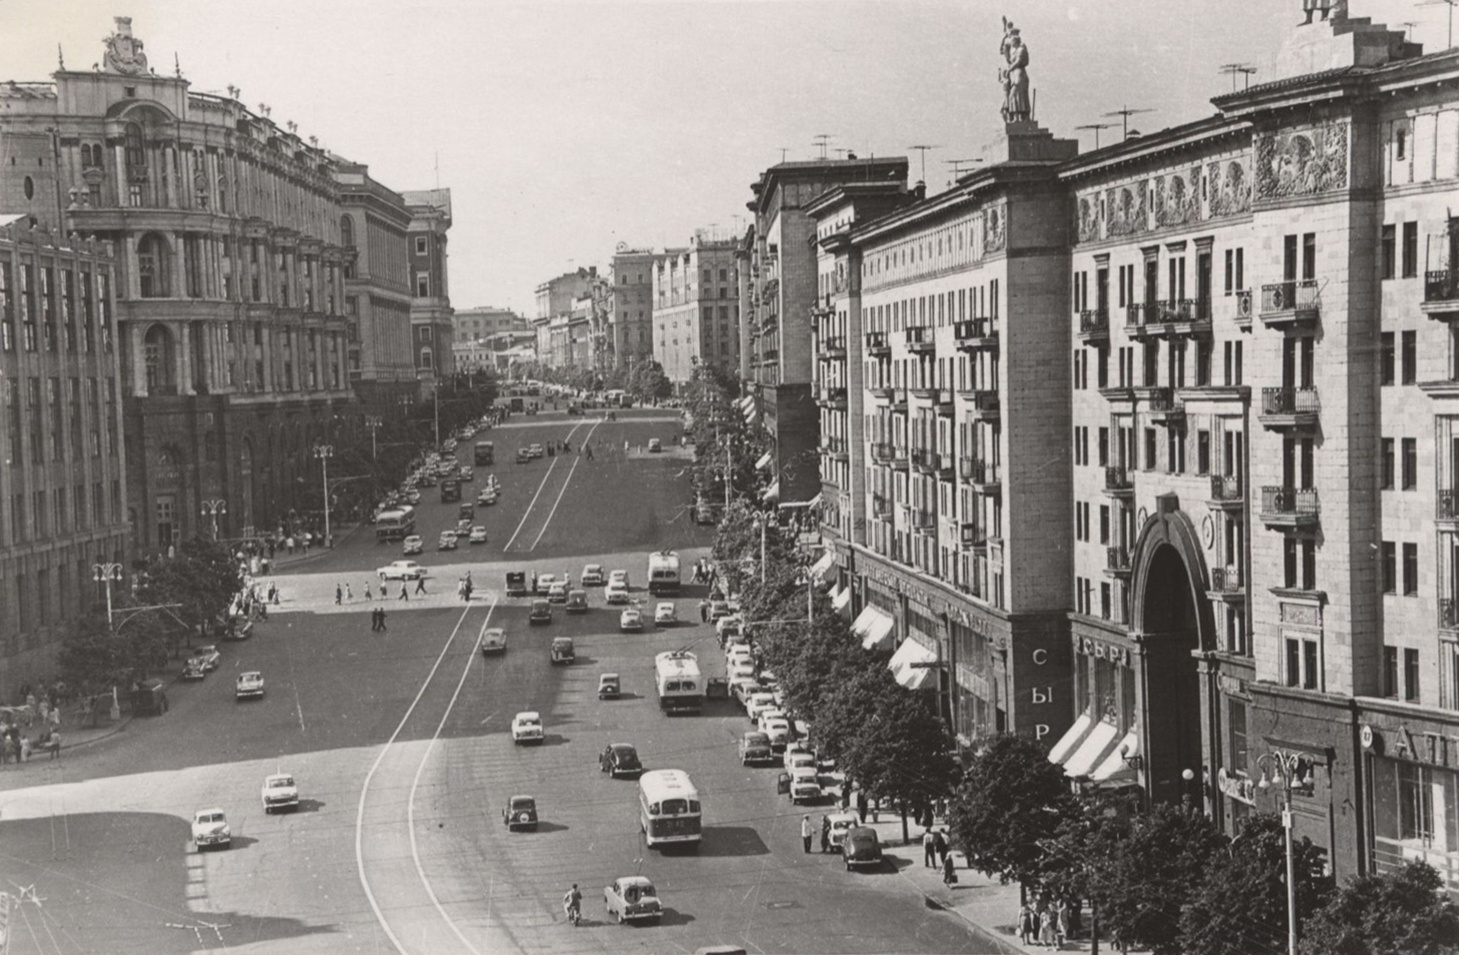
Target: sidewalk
{"x":282,"y":558}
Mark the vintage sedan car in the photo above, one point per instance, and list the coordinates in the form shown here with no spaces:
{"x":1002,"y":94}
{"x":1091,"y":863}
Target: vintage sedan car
{"x":557,"y":593}
{"x":610,"y":686}
{"x":249,"y":685}
{"x":759,"y":703}
{"x":401,"y":570}
{"x":463,"y":526}
{"x":841,"y":823}
{"x":631,"y":619}
{"x":493,"y":641}
{"x":799,"y":756}
{"x":620,"y":759}
{"x":477,"y":535}
{"x":536,"y":450}
{"x":209,"y":655}
{"x":447,"y":541}
{"x":544,"y":583}
{"x":562,"y":650}
{"x":279,"y":792}
{"x":487,"y":497}
{"x":541,"y":612}
{"x":805,"y":786}
{"x":618,"y":577}
{"x":742,"y":685}
{"x":755,"y":748}
{"x":632,"y":898}
{"x":465,"y":473}
{"x":527,"y":727}
{"x":860,"y":849}
{"x":194,"y":669}
{"x":655,"y":445}
{"x":577,"y":601}
{"x":412,"y":496}
{"x":412,"y":545}
{"x":520,"y":812}
{"x":718,"y":608}
{"x":666,"y":613}
{"x":778,"y":730}
{"x":524,"y":456}
{"x":592,"y":575}
{"x":615,"y":593}
{"x":210,"y":828}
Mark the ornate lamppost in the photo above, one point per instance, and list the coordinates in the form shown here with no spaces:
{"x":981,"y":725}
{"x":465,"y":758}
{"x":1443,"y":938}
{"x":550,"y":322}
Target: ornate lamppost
{"x":1287,"y":769}
{"x":212,"y":508}
{"x":324,"y":452}
{"x":373,"y":422}
{"x":105,"y":573}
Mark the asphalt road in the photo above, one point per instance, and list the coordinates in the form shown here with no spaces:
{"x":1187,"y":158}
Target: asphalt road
{"x":401,"y":748}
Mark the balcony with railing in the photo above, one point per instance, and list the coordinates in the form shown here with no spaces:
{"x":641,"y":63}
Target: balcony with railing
{"x":1226,"y":492}
{"x":1242,"y":300}
{"x":1446,"y":510}
{"x":922,"y":518}
{"x":983,"y":404}
{"x":1173,"y":318}
{"x":1094,"y":325}
{"x":921,"y":338}
{"x":877,"y":345}
{"x":1289,"y":304}
{"x":975,"y":334}
{"x":881,"y":507}
{"x":1441,"y":294}
{"x":1226,"y":583}
{"x":924,"y":460}
{"x":983,"y":475}
{"x":1164,"y":407}
{"x":1290,"y":507}
{"x":832,"y":349}
{"x":1118,"y":482}
{"x":1289,"y":409}
{"x":834,"y":446}
{"x":971,"y":537}
{"x":832,"y":397}
{"x":1117,"y":561}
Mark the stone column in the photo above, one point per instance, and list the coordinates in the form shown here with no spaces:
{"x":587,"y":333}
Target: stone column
{"x":119,"y":156}
{"x":134,"y":278}
{"x":139,"y":366}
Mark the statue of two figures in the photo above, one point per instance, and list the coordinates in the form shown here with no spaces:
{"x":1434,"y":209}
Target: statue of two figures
{"x":1325,"y":9}
{"x":1013,"y":74}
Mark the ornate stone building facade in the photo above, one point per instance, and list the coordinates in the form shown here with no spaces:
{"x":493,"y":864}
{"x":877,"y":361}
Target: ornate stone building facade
{"x":231,"y":328}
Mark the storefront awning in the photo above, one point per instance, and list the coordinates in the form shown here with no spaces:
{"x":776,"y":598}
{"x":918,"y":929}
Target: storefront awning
{"x":1070,"y":741}
{"x":1116,"y":767}
{"x":1100,"y":742}
{"x":764,"y":461}
{"x":873,"y":626}
{"x":819,"y":568}
{"x":746,"y":402}
{"x":771,"y":494}
{"x":840,"y":601}
{"x":814,"y":502}
{"x":909,"y":653}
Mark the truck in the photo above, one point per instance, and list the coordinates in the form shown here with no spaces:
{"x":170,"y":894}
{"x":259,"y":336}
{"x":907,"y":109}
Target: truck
{"x":663,"y":572}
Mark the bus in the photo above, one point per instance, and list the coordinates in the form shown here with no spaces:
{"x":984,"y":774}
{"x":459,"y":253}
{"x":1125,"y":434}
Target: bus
{"x":663,"y":572}
{"x":669,"y":809}
{"x":485,"y":452}
{"x":395,"y":524}
{"x":678,"y":682}
{"x":450,"y":490}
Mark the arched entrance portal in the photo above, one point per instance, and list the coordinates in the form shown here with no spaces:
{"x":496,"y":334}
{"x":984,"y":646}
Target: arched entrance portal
{"x":1173,"y":620}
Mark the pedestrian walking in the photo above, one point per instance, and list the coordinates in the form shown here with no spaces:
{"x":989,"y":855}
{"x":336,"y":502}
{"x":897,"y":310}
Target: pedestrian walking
{"x":348,"y":594}
{"x":338,"y":594}
{"x":404,"y":593}
{"x":825,"y":833}
{"x":420,"y":584}
{"x":369,"y":594}
{"x":1061,"y":920}
{"x":949,"y":871}
{"x":703,"y":611}
{"x":929,"y":850}
{"x":1046,"y":926}
{"x":383,"y":628}
{"x":939,"y":844}
{"x":1026,"y":920}
{"x":806,"y":832}
{"x":861,"y":805}
{"x":374,"y":619}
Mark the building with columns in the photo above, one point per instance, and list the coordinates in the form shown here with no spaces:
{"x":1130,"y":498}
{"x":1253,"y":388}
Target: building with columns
{"x":63,"y":497}
{"x":431,"y":327}
{"x":230,"y":281}
{"x":374,"y":223}
{"x":696,"y":307}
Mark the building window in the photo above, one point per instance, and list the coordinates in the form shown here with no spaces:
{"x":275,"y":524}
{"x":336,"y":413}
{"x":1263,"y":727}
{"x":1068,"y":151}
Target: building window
{"x":1388,"y":464}
{"x":1410,"y":464}
{"x":1390,"y":568}
{"x":1408,"y":356}
{"x":422,"y":286}
{"x":1390,"y":251}
{"x":1390,"y":672}
{"x":1410,"y":570}
{"x":1149,"y":449}
{"x":1203,"y":452}
{"x":1386,"y":359}
{"x":1410,"y":250}
{"x":1410,"y":675}
{"x":420,"y":245}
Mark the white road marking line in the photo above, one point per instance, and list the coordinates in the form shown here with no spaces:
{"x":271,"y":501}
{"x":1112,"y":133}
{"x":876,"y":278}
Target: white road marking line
{"x":365,"y":789}
{"x":560,"y":493}
{"x":533,"y":502}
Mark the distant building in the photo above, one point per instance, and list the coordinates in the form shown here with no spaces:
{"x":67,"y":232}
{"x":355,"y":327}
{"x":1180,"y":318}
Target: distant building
{"x":630,"y":308}
{"x":490,"y":338}
{"x":375,"y":223}
{"x":556,"y":299}
{"x":431,"y":326}
{"x":696,"y":307}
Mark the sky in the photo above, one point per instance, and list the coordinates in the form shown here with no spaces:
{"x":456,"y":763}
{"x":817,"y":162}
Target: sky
{"x":564,"y":128}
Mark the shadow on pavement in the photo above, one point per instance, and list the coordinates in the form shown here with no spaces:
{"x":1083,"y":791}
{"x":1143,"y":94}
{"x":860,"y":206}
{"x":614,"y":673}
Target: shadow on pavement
{"x":731,"y":841}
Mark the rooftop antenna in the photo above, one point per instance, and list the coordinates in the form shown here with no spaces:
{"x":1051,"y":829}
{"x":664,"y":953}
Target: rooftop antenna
{"x":822,"y":140}
{"x":783,"y":151}
{"x":1449,"y":45}
{"x":1126,"y":112}
{"x":923,"y":151}
{"x":1096,"y":127}
{"x":1238,"y":69}
{"x":840,"y":152}
{"x":957,"y":167}
{"x":1408,"y":26}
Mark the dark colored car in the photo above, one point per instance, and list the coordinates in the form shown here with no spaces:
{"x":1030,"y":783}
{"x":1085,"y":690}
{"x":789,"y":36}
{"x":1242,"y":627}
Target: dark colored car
{"x":860,"y":849}
{"x":520,"y":813}
{"x":620,"y":759}
{"x":541,"y":612}
{"x":562,"y":651}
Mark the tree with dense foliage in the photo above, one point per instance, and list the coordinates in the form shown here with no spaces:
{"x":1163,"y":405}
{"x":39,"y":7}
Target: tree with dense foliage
{"x":1011,"y":799}
{"x":1403,"y":912}
{"x":203,"y":577}
{"x":91,"y":658}
{"x":1240,"y":906}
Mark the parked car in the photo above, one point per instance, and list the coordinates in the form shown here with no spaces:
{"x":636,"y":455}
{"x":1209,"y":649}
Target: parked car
{"x":610,"y":687}
{"x":592,"y":575}
{"x":478,"y":534}
{"x":562,"y":651}
{"x":544,"y":583}
{"x":799,"y":756}
{"x":527,"y":727}
{"x":520,"y":812}
{"x":632,"y":898}
{"x":541,"y":612}
{"x":718,"y":608}
{"x":401,"y":570}
{"x":518,"y":584}
{"x":194,"y":669}
{"x":630,"y":620}
{"x":860,"y":848}
{"x":557,"y":593}
{"x":493,"y":641}
{"x":841,"y":823}
{"x":778,"y":730}
{"x":618,"y":577}
{"x":619,"y":759}
{"x":412,"y":545}
{"x":759,"y":703}
{"x":755,"y":748}
{"x":655,"y":445}
{"x":249,"y":685}
{"x":209,"y":655}
{"x":805,"y":786}
{"x":577,"y":601}
{"x":279,"y":792}
{"x":210,"y":828}
{"x":524,"y":456}
{"x":665,"y":613}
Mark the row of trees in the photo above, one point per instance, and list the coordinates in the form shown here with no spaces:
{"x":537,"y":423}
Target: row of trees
{"x":644,"y":380}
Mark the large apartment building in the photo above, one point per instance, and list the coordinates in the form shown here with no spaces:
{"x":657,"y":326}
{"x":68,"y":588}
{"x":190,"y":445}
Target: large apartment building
{"x":431,"y":327}
{"x":696,"y":308}
{"x":1223,"y":535}
{"x":630,"y":307}
{"x":375,"y":223}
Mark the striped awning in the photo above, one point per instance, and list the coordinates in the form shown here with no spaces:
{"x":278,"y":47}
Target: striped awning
{"x":1096,"y":747}
{"x":771,"y":494}
{"x":873,"y":626}
{"x":764,"y":461}
{"x":903,"y":664}
{"x":819,"y":568}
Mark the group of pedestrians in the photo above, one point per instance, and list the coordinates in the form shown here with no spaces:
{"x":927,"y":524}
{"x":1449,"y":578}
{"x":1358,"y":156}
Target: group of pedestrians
{"x":377,"y":620}
{"x":464,"y":587}
{"x":1044,"y":923}
{"x":937,"y":854}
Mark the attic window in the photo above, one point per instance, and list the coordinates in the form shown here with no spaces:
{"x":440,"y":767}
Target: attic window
{"x":130,"y":91}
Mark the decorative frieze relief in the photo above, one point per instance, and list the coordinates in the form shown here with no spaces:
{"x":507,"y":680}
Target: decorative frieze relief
{"x":994,"y":228}
{"x":1302,"y":162}
{"x":1229,"y":188}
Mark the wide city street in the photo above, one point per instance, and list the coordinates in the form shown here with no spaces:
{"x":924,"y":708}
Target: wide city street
{"x":400,"y":744}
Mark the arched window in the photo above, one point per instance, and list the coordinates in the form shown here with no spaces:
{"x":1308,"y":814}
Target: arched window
{"x":152,"y":256}
{"x":347,"y":232}
{"x":157,"y":353}
{"x":222,"y":194}
{"x":136,"y":153}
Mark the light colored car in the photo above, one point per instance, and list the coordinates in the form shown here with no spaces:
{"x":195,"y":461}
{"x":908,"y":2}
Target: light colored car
{"x":401,"y":570}
{"x":412,"y":496}
{"x":738,"y":654}
{"x":592,"y":575}
{"x":466,"y":474}
{"x":742,"y":685}
{"x":463,"y":527}
{"x":527,"y":727}
{"x":478,"y":534}
{"x":544,"y":583}
{"x":412,"y":545}
{"x":805,"y":786}
{"x":447,"y":541}
{"x":665,"y":612}
{"x":615,"y":593}
{"x":487,"y":496}
{"x":841,"y":823}
{"x":210,"y":828}
{"x":493,"y":641}
{"x":759,"y":703}
{"x":619,"y":577}
{"x":655,"y":445}
{"x":718,"y":609}
{"x":777,"y":729}
{"x":279,"y":792}
{"x":724,"y":627}
{"x":535,"y":450}
{"x":735,"y":671}
{"x":632,"y":898}
{"x":249,"y":685}
{"x":557,"y":593}
{"x":798,"y":757}
{"x":630,"y":619}
{"x":209,"y":655}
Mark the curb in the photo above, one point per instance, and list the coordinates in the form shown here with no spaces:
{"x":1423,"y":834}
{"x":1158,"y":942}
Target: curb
{"x":276,"y":566}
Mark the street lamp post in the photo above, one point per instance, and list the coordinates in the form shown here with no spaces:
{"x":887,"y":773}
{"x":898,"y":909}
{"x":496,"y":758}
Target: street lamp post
{"x":324,"y":452}
{"x":1286,"y":768}
{"x":373,"y":422}
{"x":105,"y":574}
{"x":212,"y":508}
